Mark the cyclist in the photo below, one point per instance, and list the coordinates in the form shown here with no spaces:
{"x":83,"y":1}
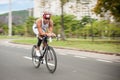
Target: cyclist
{"x":45,"y":28}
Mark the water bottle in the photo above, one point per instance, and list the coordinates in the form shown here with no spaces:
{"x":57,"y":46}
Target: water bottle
{"x":50,"y":39}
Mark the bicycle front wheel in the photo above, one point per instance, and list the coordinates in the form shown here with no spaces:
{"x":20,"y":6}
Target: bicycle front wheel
{"x":35,"y":58}
{"x":51,"y":59}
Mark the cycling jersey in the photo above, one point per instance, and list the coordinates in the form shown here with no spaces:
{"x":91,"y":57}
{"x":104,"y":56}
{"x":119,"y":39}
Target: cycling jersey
{"x":44,"y":28}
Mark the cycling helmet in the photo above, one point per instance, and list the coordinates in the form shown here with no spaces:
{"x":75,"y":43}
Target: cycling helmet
{"x":46,"y":15}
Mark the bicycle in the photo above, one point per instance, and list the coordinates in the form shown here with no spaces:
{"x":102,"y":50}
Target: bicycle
{"x":48,"y":54}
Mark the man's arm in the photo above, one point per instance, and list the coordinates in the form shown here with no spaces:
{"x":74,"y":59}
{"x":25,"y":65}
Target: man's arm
{"x":50,"y":27}
{"x":50,"y":31}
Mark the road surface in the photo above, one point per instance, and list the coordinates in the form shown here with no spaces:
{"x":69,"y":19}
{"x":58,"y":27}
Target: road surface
{"x":16,"y":64}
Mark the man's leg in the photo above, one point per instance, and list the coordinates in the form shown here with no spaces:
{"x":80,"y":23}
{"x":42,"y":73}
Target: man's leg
{"x":38,"y":47}
{"x":44,"y":43}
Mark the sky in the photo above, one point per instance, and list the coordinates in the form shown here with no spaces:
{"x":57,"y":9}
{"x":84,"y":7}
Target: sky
{"x":16,"y":5}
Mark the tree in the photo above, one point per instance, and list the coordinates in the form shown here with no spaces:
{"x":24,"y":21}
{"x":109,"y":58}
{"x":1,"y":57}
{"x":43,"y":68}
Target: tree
{"x":28,"y":26}
{"x":113,"y":30}
{"x":103,"y":6}
{"x":85,"y":20}
{"x":62,"y":19}
{"x":4,"y":27}
{"x":100,"y":27}
{"x":57,"y":26}
{"x":18,"y":30}
{"x":71,"y":25}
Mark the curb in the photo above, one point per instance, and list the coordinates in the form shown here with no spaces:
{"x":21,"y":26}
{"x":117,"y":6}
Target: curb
{"x":98,"y":52}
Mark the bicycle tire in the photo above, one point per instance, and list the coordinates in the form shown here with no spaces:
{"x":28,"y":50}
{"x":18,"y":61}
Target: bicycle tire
{"x":35,"y":59}
{"x":51,"y":56}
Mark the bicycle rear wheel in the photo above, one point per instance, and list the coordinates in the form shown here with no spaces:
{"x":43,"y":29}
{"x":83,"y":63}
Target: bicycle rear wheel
{"x":35,"y":59}
{"x":51,"y":59}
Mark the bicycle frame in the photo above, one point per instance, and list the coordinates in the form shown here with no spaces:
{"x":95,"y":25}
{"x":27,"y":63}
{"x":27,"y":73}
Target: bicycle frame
{"x":45,"y":48}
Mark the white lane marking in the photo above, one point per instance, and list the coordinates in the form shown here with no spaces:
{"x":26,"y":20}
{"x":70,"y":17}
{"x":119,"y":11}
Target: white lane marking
{"x":48,"y":63}
{"x":80,"y":56}
{"x":74,"y":71}
{"x":102,"y":60}
{"x":51,"y":64}
{"x":62,"y":54}
{"x":29,"y":58}
{"x":15,"y":46}
{"x":27,"y":48}
{"x":18,"y":46}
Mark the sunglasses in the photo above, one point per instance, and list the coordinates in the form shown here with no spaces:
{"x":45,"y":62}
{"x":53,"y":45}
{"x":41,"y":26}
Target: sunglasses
{"x":47,"y":18}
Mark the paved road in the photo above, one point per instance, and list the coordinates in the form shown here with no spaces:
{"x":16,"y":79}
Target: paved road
{"x":15,"y":64}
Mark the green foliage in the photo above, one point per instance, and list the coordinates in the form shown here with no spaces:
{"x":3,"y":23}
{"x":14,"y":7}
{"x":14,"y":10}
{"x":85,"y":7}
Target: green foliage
{"x":71,"y":26}
{"x":108,"y":5}
{"x":57,"y":24}
{"x":28,"y":26}
{"x":114,"y":30}
{"x":5,"y":28}
{"x":76,"y":28}
{"x":102,"y":29}
{"x":24,"y":29}
{"x":85,"y":20}
{"x":63,"y":1}
{"x":18,"y":30}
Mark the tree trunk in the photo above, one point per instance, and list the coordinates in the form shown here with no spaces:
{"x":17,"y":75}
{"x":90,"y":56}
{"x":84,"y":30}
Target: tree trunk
{"x":63,"y":37}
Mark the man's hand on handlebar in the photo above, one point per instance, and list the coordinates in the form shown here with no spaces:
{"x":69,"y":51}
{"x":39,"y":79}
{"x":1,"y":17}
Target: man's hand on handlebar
{"x":51,"y":35}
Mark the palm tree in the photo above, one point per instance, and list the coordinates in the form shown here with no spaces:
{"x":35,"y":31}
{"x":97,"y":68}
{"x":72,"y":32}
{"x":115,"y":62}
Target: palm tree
{"x":62,"y":19}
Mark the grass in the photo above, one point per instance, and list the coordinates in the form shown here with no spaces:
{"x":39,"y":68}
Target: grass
{"x":100,"y":46}
{"x":109,"y":46}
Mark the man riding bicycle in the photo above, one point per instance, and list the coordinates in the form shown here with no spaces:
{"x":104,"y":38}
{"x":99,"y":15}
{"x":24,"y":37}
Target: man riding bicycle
{"x":45,"y":28}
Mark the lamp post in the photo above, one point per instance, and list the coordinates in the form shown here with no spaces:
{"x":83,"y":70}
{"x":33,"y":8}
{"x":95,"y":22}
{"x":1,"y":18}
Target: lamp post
{"x":10,"y":20}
